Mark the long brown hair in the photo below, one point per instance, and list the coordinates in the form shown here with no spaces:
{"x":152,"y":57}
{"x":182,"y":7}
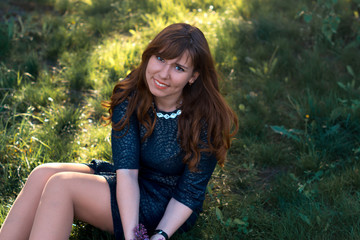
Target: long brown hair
{"x":202,"y":104}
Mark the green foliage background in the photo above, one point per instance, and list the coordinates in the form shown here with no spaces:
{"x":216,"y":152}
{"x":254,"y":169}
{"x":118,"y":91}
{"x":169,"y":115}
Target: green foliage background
{"x":291,"y":71}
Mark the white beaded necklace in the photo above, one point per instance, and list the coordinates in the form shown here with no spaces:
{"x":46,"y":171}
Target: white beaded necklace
{"x":167,"y":116}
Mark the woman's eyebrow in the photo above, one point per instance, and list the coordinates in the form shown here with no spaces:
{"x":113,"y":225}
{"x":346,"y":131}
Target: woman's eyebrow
{"x":185,"y":67}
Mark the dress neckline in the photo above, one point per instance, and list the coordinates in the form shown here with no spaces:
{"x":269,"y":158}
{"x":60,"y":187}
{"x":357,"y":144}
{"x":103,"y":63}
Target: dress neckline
{"x":173,"y":115}
{"x":167,"y":115}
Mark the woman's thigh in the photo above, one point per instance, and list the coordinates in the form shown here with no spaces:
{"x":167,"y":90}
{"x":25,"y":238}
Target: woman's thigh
{"x":90,"y":195}
{"x":22,"y":213}
{"x":52,"y":168}
{"x":41,"y":174}
{"x":68,"y":195}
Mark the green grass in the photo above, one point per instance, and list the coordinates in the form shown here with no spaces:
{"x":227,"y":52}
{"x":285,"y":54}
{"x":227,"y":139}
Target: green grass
{"x":290,"y":71}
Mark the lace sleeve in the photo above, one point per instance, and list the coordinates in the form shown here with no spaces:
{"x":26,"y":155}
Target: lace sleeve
{"x":125,"y":148}
{"x":191,"y":186}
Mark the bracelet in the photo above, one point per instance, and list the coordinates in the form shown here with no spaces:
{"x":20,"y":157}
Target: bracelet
{"x":161,"y":232}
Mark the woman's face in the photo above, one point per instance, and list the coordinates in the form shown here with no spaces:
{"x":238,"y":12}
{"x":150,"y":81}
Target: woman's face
{"x":167,"y":78}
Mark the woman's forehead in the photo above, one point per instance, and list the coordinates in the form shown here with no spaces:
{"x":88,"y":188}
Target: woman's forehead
{"x":183,"y":59}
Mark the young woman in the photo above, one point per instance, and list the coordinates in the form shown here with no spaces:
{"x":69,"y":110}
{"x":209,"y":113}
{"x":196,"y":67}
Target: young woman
{"x":170,"y":126}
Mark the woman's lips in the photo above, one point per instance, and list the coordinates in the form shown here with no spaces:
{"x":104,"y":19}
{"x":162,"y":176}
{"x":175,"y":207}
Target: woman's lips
{"x":160,"y":85}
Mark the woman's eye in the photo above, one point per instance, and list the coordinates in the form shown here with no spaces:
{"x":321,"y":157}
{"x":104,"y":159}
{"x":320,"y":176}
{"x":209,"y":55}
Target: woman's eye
{"x":160,"y":59}
{"x":179,"y":68}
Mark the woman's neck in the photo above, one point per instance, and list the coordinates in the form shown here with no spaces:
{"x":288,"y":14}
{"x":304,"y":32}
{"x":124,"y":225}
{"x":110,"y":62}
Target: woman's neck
{"x":167,"y":105}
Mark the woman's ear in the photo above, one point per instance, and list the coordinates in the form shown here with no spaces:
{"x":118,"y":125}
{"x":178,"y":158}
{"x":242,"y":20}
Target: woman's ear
{"x":194,"y":77}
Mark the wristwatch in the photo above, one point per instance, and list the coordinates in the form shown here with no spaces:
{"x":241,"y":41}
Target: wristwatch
{"x":161,"y":232}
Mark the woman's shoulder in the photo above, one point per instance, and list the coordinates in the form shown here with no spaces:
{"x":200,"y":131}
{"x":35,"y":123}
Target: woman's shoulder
{"x":121,"y":107}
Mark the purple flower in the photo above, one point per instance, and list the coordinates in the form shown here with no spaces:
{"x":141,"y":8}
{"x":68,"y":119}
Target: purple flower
{"x":140,"y":233}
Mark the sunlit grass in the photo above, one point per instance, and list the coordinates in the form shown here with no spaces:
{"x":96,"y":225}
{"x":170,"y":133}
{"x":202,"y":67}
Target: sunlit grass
{"x":39,"y":94}
{"x":94,"y":142}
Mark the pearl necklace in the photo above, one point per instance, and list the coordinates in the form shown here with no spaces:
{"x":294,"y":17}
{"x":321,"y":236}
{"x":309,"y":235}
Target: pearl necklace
{"x":167,"y":116}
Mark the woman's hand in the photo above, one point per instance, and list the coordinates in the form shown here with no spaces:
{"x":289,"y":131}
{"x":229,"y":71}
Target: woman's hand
{"x":157,"y":237}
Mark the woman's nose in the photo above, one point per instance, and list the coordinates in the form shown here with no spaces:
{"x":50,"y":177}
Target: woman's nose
{"x":165,"y":71}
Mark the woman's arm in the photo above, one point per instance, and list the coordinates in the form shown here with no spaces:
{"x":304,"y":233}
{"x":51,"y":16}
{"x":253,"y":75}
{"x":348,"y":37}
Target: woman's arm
{"x":128,"y":197}
{"x":188,"y":196}
{"x":175,"y":215}
{"x":126,"y":149}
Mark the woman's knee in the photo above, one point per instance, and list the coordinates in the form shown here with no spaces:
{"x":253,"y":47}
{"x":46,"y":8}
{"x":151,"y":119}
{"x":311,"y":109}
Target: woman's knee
{"x":58,"y":188}
{"x":42,"y":173}
{"x":63,"y":181}
{"x":61,"y":177}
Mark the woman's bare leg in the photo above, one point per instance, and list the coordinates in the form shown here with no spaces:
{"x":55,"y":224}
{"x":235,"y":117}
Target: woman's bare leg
{"x":68,"y":195}
{"x":18,"y":223}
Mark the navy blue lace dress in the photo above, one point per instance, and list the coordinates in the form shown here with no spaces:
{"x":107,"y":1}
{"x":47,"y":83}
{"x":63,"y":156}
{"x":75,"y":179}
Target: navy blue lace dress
{"x":162,"y":174}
